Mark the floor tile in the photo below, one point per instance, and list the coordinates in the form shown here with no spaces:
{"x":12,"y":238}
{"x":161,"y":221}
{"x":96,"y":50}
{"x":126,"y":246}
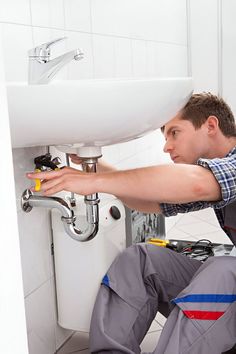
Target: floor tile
{"x":160,"y":319}
{"x":207,"y":215}
{"x":150,"y":341}
{"x":188,"y":218}
{"x":155,"y":326}
{"x":200,"y":228}
{"x":77,"y":343}
{"x":218,"y":237}
{"x":177,"y":234}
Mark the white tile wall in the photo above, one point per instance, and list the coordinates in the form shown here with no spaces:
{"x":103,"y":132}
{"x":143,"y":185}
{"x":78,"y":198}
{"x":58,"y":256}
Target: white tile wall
{"x":84,"y":68}
{"x":103,"y":56}
{"x":17,"y":39}
{"x":204,"y":44}
{"x":48,"y":13}
{"x":139,"y":50}
{"x":15,"y":11}
{"x":40,"y":13}
{"x":77,"y":15}
{"x":41,"y":320}
{"x":119,"y":18}
{"x":13,"y":324}
{"x":57,"y":13}
{"x":229,"y":52}
{"x":125,"y":38}
{"x":35,"y":246}
{"x":160,"y":59}
{"x":123,"y":57}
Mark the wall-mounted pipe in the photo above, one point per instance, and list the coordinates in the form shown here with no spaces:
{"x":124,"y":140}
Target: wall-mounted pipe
{"x":29,"y":200}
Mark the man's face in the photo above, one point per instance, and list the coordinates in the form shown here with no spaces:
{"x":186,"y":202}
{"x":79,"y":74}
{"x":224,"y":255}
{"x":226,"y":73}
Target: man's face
{"x":184,"y":143}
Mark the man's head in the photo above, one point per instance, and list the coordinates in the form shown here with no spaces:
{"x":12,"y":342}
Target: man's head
{"x":203,"y":128}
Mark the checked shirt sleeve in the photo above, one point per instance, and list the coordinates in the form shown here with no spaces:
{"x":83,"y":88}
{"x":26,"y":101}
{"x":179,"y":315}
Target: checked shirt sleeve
{"x":224,"y":170}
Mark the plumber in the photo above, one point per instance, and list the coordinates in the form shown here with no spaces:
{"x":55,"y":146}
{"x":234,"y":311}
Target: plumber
{"x":198,"y":299}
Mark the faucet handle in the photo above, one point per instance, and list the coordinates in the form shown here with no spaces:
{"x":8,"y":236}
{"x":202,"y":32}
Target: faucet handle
{"x":43,"y":51}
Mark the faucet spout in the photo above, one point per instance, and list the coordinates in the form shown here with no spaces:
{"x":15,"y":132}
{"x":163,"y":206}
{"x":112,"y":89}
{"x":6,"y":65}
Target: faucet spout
{"x":42,"y":69}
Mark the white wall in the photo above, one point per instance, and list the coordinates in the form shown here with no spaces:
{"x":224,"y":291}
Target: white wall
{"x":120,"y":38}
{"x":12,"y":323}
{"x":212,"y":47}
{"x":204,"y":44}
{"x":228,"y":11}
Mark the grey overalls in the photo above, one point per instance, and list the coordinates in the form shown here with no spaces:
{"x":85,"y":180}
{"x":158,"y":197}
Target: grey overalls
{"x":198,"y":298}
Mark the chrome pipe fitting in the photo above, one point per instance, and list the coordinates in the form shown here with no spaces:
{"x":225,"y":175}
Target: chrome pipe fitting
{"x":29,"y":200}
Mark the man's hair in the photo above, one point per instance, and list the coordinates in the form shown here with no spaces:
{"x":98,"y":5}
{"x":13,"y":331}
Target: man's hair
{"x":202,"y":105}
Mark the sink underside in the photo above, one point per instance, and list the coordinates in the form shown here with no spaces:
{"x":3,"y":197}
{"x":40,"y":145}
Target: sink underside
{"x":92,"y":112}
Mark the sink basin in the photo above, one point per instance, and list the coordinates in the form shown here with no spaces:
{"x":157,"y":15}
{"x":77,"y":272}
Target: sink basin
{"x":92,"y":113}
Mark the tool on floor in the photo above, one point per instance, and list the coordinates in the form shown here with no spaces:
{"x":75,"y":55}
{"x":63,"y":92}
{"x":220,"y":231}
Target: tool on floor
{"x":162,"y":243}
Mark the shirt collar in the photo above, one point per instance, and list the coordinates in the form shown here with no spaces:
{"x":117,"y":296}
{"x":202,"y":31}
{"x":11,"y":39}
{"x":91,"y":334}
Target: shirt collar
{"x":232,"y":152}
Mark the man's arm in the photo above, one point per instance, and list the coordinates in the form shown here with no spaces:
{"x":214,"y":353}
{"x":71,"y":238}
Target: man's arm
{"x":137,"y":204}
{"x":177,"y":183}
{"x":141,"y":205}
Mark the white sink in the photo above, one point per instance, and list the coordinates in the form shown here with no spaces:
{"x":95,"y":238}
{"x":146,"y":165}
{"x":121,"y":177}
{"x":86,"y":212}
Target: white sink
{"x":92,"y":113}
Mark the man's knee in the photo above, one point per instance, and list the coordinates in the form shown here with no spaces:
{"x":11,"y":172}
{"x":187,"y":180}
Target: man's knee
{"x":219,"y":269}
{"x":148,"y":258}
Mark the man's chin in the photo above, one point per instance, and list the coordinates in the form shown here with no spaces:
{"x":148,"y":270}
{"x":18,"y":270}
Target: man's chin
{"x":179,"y":160}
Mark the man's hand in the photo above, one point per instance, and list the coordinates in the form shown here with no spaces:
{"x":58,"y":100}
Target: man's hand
{"x":102,"y":166}
{"x":76,"y":159}
{"x":68,"y":179}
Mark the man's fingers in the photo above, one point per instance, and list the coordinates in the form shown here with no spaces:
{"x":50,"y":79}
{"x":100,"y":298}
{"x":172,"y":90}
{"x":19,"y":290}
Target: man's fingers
{"x":48,"y":175}
{"x":75,"y":159}
{"x":52,"y":189}
{"x":44,"y":175}
{"x":53,"y":186}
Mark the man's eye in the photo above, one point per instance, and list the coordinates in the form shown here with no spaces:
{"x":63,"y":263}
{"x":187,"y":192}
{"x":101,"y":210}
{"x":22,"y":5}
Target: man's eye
{"x":174,"y":132}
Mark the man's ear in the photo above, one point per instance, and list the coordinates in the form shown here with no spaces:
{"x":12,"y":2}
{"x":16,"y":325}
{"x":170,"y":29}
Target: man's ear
{"x":212,"y":124}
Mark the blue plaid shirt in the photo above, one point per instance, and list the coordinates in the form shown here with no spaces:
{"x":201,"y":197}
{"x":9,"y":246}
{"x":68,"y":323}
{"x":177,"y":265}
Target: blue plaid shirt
{"x":224,"y":170}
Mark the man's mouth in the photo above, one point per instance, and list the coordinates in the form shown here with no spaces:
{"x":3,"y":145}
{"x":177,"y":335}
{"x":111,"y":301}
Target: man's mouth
{"x":174,"y":158}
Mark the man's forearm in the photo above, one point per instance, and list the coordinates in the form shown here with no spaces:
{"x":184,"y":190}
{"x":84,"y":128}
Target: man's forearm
{"x":165,"y":183}
{"x":141,"y":205}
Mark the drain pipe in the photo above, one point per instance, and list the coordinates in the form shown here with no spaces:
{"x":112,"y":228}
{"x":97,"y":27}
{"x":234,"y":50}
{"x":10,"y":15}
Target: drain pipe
{"x":29,"y":200}
{"x":72,"y":195}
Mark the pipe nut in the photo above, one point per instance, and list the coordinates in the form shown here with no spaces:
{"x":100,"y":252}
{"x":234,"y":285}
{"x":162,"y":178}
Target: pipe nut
{"x":92,"y":201}
{"x":68,"y":220}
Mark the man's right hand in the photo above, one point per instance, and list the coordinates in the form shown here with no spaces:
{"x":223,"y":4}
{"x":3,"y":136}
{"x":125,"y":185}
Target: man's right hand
{"x":102,"y":166}
{"x":75,"y":159}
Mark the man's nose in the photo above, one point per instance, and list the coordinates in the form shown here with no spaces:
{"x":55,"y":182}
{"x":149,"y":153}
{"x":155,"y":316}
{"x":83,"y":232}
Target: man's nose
{"x":167,"y":147}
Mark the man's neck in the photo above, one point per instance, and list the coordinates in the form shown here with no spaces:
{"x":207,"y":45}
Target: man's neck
{"x":222,"y":147}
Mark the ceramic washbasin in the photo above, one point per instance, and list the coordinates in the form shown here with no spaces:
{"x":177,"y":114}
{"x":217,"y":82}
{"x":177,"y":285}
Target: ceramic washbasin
{"x":92,"y":113}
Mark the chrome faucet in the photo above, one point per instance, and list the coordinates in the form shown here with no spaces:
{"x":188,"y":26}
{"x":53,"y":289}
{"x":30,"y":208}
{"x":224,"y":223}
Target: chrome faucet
{"x":42,"y":68}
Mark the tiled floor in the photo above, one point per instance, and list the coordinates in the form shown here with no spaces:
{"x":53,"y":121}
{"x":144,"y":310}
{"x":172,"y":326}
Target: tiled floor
{"x":192,"y":226}
{"x":78,"y":343}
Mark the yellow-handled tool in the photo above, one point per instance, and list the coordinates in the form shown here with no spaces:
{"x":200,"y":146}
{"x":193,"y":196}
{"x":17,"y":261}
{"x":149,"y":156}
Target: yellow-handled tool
{"x":158,"y":242}
{"x":42,"y":163}
{"x":37,"y":181}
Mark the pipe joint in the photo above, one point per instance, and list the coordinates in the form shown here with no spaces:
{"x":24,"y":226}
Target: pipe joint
{"x":29,"y":200}
{"x":69,"y":220}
